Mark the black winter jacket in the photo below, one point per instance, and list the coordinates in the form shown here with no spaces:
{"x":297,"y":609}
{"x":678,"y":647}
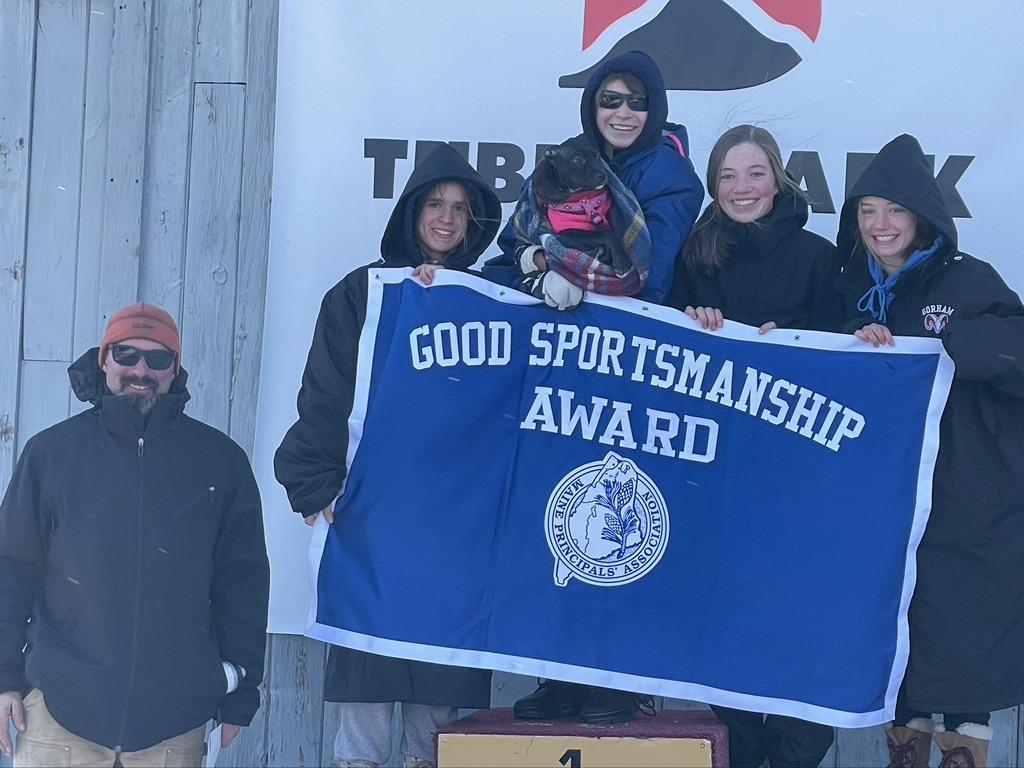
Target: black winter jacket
{"x":967,"y":615}
{"x":311,"y":460}
{"x":136,"y":547}
{"x":775,"y":270}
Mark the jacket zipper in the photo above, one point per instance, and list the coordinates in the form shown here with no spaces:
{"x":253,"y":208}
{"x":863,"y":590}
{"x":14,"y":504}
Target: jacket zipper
{"x":134,"y":646}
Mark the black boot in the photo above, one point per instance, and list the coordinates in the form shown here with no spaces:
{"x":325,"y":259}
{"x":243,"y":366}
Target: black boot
{"x":604,"y":706}
{"x":553,"y":700}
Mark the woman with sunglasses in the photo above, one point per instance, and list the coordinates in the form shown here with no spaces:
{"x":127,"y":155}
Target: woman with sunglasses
{"x":624,"y":110}
{"x":750,"y":259}
{"x":906,"y":276}
{"x":445,"y":218}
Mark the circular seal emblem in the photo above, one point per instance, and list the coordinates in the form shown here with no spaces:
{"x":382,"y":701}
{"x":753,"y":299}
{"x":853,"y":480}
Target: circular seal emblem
{"x":606,"y":523}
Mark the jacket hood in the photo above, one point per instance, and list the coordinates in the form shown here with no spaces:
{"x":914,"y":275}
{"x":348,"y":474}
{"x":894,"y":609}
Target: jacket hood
{"x":89,"y":383}
{"x":900,"y":172}
{"x":642,"y":66}
{"x":399,"y":246}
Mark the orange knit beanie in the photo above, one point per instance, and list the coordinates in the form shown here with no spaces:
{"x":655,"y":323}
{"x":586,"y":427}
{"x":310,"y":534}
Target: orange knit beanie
{"x":142,"y":321}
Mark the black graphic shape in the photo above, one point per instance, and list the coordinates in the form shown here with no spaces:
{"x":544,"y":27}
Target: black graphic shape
{"x":702,"y":45}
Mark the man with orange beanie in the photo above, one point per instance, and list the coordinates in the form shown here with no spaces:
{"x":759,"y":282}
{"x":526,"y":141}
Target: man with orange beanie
{"x":133,"y":570}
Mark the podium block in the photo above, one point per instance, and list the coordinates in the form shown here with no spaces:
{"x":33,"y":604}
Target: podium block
{"x":492,"y":738}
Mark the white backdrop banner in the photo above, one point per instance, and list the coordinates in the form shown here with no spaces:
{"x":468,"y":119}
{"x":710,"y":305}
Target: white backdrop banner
{"x":365,"y":86}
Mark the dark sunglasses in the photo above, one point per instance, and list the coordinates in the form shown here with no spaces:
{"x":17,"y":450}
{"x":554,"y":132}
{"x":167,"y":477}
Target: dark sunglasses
{"x":613,"y":100}
{"x":156,"y":359}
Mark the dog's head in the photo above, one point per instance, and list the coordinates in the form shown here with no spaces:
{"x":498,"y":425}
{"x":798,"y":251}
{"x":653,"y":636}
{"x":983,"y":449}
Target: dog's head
{"x":573,"y":166}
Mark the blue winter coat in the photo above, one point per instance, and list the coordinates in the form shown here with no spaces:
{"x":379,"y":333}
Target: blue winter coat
{"x":653,"y":168}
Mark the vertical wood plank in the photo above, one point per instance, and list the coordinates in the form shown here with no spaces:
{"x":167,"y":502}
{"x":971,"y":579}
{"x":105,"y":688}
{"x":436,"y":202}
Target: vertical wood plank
{"x":296,"y":701}
{"x":47,"y":381}
{"x":126,"y":151}
{"x":1019,"y":751}
{"x":254,"y":227}
{"x":17,"y":46}
{"x":332,"y":719}
{"x":250,"y":747}
{"x":861,"y":746}
{"x":165,"y":191}
{"x":99,"y":51}
{"x":221,"y":40}
{"x":506,"y":688}
{"x":49,"y":299}
{"x":1002,"y":752}
{"x":211,"y":248}
{"x":831,"y":758}
{"x":254,"y":236}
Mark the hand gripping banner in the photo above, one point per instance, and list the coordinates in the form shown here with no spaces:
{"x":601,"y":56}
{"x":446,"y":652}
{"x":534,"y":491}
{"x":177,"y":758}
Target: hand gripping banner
{"x":615,"y":497}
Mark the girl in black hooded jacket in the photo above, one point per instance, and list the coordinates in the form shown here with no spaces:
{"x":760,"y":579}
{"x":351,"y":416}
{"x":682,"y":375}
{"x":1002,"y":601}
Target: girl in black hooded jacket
{"x":750,"y":259}
{"x":905,"y":276}
{"x":446,"y":217}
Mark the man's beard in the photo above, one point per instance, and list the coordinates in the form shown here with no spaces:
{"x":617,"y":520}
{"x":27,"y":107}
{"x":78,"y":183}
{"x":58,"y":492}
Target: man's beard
{"x":142,"y":403}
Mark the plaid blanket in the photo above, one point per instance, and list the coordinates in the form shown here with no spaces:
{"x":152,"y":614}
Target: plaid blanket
{"x":584,"y":268}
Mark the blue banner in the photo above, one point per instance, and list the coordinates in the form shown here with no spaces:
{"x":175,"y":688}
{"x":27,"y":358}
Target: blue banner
{"x":613,"y":496}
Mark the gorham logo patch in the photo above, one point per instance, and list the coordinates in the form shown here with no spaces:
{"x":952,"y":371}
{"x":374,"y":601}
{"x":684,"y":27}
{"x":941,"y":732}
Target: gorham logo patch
{"x":936,"y":316}
{"x":606,"y":523}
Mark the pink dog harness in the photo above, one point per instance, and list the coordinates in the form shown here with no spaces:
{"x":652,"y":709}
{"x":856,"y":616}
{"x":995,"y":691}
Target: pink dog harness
{"x":585,"y":210}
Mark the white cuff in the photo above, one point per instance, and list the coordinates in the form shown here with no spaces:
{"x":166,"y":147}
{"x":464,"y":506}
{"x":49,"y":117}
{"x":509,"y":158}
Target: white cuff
{"x":923,"y":724}
{"x":975,"y":731}
{"x":234,"y":674}
{"x":526,"y":262}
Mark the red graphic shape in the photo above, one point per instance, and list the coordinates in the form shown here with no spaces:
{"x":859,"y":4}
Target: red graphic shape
{"x":598,"y":15}
{"x":805,"y":15}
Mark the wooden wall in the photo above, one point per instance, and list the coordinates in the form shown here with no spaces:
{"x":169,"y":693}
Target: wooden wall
{"x":136,"y":145}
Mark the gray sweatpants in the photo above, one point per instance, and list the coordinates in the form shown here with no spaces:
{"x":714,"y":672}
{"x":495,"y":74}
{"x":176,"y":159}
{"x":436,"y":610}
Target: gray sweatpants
{"x":364,"y":734}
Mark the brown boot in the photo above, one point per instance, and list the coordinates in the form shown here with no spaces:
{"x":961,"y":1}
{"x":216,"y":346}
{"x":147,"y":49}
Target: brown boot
{"x":966,"y":747}
{"x":910,"y":745}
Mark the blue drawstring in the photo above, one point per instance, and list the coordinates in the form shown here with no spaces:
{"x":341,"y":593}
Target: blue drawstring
{"x":876,"y":301}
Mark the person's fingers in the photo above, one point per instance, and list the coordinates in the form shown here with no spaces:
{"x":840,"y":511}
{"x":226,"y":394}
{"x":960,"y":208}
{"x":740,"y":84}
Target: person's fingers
{"x":228,"y":733}
{"x":867,"y":335}
{"x":690,"y":312}
{"x":710,"y":318}
{"x":311,"y":519}
{"x":18,"y":715}
{"x":879,"y":335}
{"x":328,"y":512}
{"x":5,"y":735}
{"x":769,"y":326}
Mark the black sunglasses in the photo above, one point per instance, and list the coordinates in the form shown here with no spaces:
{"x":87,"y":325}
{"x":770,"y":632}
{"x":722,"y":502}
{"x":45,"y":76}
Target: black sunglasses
{"x":156,"y":359}
{"x":613,"y":100}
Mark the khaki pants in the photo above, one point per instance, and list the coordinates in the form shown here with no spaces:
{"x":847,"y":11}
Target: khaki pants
{"x":47,"y":744}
